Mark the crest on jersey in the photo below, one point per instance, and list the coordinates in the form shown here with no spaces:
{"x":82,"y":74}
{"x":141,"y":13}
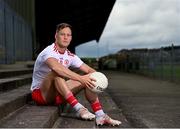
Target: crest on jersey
{"x":66,"y":62}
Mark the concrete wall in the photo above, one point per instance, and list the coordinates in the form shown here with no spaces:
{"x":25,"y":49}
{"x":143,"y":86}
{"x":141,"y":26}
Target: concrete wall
{"x":25,"y":8}
{"x":17,"y":30}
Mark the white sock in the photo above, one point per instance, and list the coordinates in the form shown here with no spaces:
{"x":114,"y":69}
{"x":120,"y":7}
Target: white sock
{"x":99,"y":113}
{"x":77,"y":106}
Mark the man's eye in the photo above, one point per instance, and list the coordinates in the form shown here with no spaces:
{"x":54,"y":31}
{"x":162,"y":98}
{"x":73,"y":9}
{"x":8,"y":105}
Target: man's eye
{"x":63,"y":34}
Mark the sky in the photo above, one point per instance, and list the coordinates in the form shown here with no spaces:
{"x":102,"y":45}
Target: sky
{"x":137,"y":24}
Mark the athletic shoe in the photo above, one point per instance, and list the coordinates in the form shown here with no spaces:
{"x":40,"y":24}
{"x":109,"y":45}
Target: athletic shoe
{"x":106,"y":120}
{"x":84,"y":114}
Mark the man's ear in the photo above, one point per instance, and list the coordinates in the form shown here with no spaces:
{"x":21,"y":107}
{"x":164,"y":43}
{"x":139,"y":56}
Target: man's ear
{"x":55,"y":36}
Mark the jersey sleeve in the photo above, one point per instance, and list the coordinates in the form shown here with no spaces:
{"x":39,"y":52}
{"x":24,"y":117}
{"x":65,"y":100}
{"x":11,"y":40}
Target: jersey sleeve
{"x":76,"y":62}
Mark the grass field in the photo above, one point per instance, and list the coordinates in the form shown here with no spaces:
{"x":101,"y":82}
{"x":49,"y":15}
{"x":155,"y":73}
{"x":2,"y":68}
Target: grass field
{"x":166,"y":71}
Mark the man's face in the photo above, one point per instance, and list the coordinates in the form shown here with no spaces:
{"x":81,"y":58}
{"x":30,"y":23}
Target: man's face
{"x":64,"y":37}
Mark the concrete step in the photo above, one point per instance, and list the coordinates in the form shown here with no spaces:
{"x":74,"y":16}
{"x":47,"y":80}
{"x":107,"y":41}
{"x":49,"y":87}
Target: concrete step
{"x":68,"y":118}
{"x":6,"y":73}
{"x":18,"y":65}
{"x":14,"y":99}
{"x":14,"y":82}
{"x":31,"y":116}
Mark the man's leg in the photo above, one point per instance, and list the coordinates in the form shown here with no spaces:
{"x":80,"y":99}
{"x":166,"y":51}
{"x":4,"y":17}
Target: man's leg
{"x":90,"y":96}
{"x":101,"y":117}
{"x":76,"y":87}
{"x":54,"y":84}
{"x":48,"y":89}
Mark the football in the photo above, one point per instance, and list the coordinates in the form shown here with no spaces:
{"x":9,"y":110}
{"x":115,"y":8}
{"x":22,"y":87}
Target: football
{"x":101,"y":82}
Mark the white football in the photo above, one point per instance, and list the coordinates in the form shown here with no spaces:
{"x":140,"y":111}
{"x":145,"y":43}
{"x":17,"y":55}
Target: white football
{"x":101,"y":82}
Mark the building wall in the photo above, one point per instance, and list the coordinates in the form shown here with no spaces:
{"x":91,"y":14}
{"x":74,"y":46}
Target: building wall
{"x":17,"y":31}
{"x":24,"y":8}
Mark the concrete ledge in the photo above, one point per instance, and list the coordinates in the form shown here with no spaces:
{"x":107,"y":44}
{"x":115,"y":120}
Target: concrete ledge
{"x":14,"y":82}
{"x":14,"y":99}
{"x":31,"y":116}
{"x":18,"y":65}
{"x":4,"y":73}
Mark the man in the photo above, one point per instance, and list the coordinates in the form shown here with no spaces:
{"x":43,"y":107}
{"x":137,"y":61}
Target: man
{"x":51,"y":71}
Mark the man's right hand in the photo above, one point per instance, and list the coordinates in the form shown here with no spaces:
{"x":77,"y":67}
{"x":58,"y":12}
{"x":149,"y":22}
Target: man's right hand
{"x":87,"y":81}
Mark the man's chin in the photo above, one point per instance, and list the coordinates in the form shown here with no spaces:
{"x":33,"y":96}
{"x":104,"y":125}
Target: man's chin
{"x":65,"y":46}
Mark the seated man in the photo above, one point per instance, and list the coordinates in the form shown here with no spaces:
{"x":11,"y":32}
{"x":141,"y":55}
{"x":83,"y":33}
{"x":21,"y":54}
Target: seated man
{"x":49,"y":85}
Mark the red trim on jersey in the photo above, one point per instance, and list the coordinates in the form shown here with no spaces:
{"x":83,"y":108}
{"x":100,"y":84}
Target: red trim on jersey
{"x":69,"y":53}
{"x":56,"y":49}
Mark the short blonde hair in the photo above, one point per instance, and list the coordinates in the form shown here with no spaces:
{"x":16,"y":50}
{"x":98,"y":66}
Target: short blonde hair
{"x":62,"y":26}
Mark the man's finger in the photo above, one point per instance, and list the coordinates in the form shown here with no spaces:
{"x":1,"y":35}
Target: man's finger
{"x":89,"y":86}
{"x":93,"y":79}
{"x":92,"y":84}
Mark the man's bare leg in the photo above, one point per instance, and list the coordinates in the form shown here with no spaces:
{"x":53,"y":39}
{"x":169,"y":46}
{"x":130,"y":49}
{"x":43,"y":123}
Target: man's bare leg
{"x":54,"y":84}
{"x":48,"y":89}
{"x":101,"y":117}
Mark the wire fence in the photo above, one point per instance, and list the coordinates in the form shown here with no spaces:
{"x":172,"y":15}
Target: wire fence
{"x":162,"y":63}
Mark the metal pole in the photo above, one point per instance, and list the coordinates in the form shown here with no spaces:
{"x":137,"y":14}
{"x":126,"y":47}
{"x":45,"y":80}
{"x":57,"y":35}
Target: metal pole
{"x":161,"y":61}
{"x":172,"y":62}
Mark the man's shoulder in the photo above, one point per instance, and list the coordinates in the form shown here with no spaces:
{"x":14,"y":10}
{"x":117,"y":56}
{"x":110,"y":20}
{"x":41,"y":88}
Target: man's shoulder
{"x":69,"y":53}
{"x":49,"y":49}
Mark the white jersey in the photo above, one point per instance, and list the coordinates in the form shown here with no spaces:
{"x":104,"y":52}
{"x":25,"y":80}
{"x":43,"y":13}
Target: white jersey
{"x":41,"y":69}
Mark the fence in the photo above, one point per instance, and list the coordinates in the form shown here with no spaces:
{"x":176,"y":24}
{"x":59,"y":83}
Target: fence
{"x":15,"y":36}
{"x":163,"y":63}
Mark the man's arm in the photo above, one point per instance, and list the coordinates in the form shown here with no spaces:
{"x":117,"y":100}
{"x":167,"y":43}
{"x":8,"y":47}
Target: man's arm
{"x":61,"y":70}
{"x":87,"y":69}
{"x":65,"y":72}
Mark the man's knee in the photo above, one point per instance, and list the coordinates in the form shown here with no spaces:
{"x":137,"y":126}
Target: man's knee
{"x":49,"y":80}
{"x":52,"y":75}
{"x":59,"y":80}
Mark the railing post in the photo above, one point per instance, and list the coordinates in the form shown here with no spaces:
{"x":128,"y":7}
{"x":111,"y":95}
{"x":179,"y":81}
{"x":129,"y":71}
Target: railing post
{"x":172,"y":62}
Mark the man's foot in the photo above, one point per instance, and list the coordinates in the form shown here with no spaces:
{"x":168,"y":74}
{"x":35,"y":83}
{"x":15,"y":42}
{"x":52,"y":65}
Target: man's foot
{"x":84,"y":114}
{"x":106,"y":120}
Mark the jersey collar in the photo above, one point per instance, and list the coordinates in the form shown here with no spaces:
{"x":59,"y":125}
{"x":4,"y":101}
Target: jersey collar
{"x":56,"y":49}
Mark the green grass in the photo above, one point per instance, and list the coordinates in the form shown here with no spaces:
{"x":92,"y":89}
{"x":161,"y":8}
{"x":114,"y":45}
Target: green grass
{"x":165,"y":71}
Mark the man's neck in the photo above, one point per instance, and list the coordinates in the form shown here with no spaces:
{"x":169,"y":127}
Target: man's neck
{"x":60,"y":49}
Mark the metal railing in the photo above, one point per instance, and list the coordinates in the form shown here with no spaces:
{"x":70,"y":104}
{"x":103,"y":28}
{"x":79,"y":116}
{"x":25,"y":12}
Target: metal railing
{"x":163,"y":63}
